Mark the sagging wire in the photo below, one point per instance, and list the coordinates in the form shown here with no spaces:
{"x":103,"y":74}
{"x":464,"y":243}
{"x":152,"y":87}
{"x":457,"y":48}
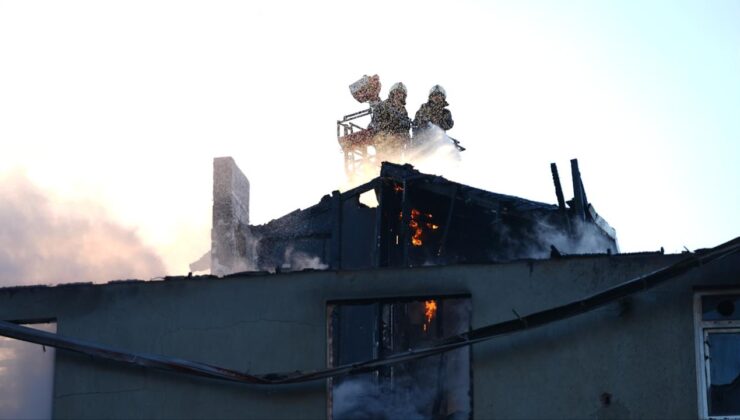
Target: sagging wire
{"x":475,"y":336}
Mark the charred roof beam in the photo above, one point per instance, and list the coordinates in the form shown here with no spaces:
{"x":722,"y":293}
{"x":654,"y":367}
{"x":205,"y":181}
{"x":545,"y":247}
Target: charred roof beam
{"x":579,"y":194}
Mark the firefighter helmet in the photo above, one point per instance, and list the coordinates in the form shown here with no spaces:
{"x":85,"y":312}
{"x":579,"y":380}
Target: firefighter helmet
{"x":399,"y":86}
{"x":438,"y":89}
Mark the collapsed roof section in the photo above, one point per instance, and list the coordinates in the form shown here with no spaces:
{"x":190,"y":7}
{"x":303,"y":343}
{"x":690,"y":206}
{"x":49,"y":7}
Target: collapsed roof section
{"x":419,"y":219}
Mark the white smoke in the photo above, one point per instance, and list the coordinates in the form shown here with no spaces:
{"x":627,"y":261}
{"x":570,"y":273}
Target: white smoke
{"x":299,"y":260}
{"x":361,"y":399}
{"x":586,"y":238}
{"x":247,"y":245}
{"x":431,"y":151}
{"x":249,"y":248}
{"x":47,"y":240}
{"x":250,"y":252}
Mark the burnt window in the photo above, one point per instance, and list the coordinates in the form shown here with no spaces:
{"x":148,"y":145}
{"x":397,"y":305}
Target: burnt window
{"x":433,"y":387}
{"x":718,"y":331}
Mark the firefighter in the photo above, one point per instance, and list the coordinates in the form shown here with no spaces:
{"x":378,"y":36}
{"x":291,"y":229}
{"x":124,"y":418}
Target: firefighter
{"x":391,"y":122}
{"x":433,"y":112}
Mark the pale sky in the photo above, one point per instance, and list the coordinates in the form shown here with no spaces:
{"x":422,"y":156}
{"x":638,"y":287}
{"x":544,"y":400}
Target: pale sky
{"x":123,"y":105}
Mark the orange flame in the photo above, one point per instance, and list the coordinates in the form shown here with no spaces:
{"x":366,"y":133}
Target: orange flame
{"x":417,"y":225}
{"x":416,"y":238}
{"x":418,"y":231}
{"x":430,"y":309}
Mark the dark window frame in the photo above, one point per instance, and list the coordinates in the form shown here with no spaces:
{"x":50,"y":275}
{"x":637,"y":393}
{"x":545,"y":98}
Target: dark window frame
{"x":331,"y":304}
{"x":703,"y":327}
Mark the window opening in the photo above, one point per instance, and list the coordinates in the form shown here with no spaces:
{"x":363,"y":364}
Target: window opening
{"x":717,"y":318}
{"x":26,"y":377}
{"x":434,"y":387}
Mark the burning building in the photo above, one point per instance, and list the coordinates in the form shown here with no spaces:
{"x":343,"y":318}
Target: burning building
{"x":418,"y":220}
{"x":439,"y":301}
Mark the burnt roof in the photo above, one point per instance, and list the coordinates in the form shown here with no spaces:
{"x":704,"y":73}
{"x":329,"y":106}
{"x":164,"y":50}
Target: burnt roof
{"x":407,"y":173}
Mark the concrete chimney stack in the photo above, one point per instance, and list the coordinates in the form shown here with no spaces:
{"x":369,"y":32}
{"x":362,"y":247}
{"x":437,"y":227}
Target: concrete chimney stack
{"x":230,"y":217}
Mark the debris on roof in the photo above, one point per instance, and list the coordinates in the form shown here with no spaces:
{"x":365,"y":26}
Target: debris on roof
{"x":420,"y":220}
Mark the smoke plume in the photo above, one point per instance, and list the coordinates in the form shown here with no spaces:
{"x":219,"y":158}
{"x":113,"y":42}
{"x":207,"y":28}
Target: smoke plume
{"x":298,"y":260}
{"x":432,"y":151}
{"x":584,"y":238}
{"x":362,"y":399}
{"x":46,"y":240}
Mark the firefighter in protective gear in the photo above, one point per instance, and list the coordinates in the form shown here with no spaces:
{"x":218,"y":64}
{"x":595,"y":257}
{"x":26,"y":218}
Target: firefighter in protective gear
{"x":391,"y":122}
{"x":434,"y":112}
{"x":390,"y":116}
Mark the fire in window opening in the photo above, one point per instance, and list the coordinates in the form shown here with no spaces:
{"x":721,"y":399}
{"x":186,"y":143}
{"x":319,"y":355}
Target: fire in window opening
{"x":430,"y":309}
{"x":419,"y":223}
{"x":414,"y":225}
{"x":433,"y":387}
{"x":718,"y":353}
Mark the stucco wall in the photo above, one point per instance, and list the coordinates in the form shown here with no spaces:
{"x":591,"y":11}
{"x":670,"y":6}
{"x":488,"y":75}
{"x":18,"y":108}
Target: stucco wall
{"x":640,"y":351}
